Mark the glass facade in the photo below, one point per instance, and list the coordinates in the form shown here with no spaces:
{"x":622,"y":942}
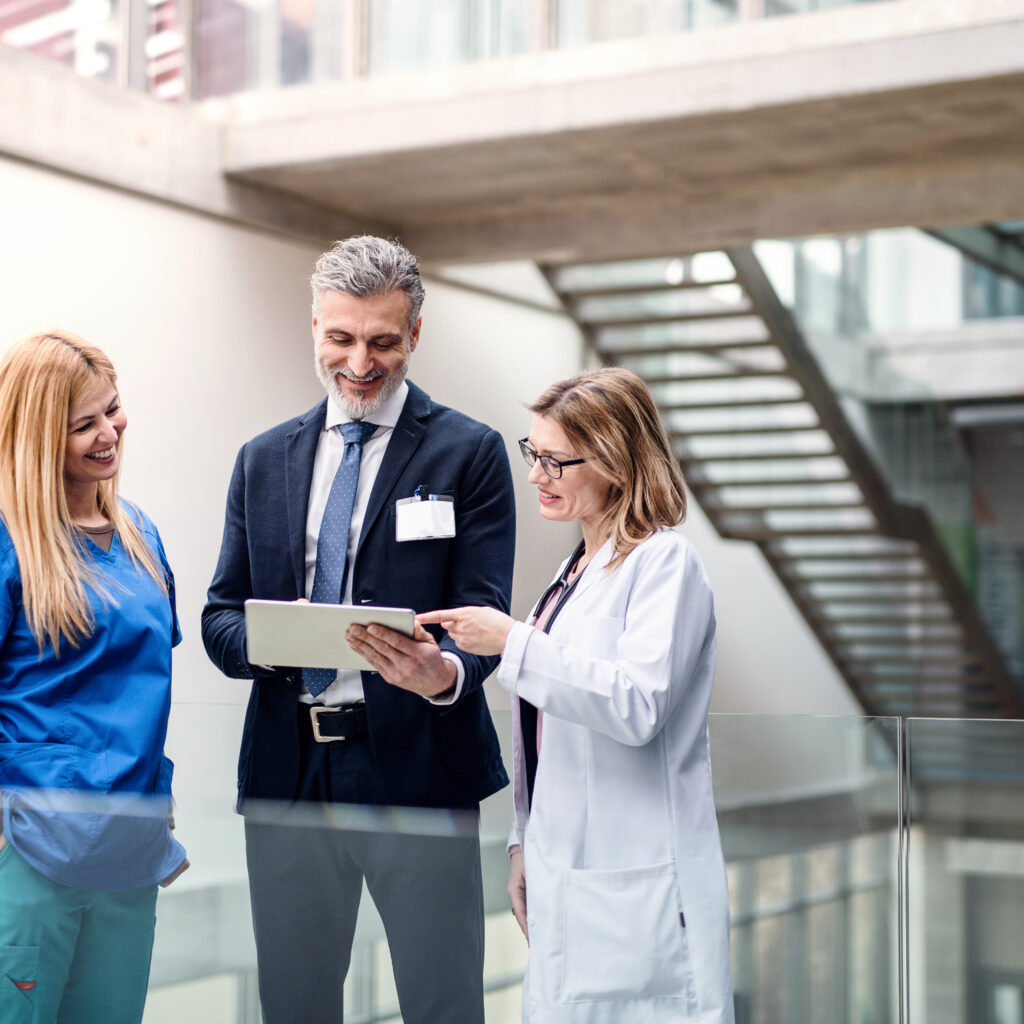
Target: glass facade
{"x":221,"y":47}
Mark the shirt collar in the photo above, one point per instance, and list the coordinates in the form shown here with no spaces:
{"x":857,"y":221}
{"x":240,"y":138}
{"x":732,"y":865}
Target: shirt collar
{"x":386,"y":416}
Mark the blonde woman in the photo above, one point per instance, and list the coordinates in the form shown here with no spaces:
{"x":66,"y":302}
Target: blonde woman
{"x":87,"y":622}
{"x":617,"y":876}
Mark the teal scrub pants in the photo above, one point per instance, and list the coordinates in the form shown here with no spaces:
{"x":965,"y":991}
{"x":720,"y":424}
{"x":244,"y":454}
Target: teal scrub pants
{"x":71,"y":956}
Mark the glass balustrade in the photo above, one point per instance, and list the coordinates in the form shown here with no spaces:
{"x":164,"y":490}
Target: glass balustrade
{"x":875,"y":867}
{"x":965,"y":871}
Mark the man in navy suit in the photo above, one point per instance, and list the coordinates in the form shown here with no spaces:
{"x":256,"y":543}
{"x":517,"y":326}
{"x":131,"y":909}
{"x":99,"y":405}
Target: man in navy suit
{"x":417,"y":731}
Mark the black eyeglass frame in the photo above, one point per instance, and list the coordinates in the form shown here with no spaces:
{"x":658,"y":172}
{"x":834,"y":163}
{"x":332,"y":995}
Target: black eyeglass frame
{"x":547,"y":462}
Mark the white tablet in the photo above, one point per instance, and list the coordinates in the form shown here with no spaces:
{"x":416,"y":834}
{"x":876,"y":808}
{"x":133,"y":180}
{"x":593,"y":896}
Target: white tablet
{"x":313,"y":635}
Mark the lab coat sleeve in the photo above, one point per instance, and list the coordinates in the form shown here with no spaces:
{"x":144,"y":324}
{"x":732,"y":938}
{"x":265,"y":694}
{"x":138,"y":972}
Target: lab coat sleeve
{"x":627,"y":686}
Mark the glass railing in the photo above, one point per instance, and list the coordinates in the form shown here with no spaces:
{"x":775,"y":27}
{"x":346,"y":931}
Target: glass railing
{"x":875,"y":868}
{"x":965,"y":871}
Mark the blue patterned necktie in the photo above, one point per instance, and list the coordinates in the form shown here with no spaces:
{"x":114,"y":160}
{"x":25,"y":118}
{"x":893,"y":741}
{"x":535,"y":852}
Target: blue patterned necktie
{"x":332,"y":542}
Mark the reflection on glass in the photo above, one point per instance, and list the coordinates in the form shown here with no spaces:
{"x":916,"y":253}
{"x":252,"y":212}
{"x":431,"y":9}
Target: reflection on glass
{"x":590,"y":21}
{"x":965,"y":805}
{"x":83,"y":34}
{"x":808,"y":814}
{"x":777,"y":7}
{"x":811,"y":839}
{"x":408,"y":35}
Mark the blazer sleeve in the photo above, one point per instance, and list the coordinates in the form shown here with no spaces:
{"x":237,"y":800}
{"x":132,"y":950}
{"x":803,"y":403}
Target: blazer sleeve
{"x":479,"y":568}
{"x":623,"y":677}
{"x":223,"y":623}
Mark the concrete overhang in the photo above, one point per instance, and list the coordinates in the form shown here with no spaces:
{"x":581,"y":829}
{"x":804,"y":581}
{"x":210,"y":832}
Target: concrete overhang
{"x":895,"y":113}
{"x":886,"y":114}
{"x":56,"y":119}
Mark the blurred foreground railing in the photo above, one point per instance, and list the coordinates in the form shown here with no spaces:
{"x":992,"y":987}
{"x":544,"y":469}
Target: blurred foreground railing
{"x":876,"y":873}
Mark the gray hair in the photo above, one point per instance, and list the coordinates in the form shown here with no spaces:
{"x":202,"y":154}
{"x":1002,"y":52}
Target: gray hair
{"x":367,"y":265}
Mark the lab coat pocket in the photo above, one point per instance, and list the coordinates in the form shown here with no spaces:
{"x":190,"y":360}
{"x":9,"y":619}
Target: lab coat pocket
{"x":18,"y":967}
{"x":598,"y":634}
{"x":624,"y":936}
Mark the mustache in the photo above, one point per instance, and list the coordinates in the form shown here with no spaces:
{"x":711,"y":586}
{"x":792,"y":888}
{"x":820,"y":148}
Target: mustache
{"x":356,"y":379}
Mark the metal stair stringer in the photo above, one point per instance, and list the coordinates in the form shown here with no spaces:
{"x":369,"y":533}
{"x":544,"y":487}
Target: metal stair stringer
{"x":772,"y":458}
{"x":976,"y":682}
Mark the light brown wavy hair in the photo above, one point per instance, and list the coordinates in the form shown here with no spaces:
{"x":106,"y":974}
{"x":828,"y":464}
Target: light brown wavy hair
{"x":610,"y":419}
{"x":41,"y":378}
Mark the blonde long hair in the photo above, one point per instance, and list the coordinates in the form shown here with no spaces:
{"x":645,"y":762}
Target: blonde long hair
{"x":610,"y":419}
{"x":41,"y":378}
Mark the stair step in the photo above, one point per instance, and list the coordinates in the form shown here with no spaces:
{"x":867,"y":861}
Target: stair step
{"x":668,"y":318}
{"x":740,"y":403}
{"x":770,"y":481}
{"x":803,"y":506}
{"x":891,"y":670}
{"x":773,"y":428}
{"x":877,"y":620}
{"x":760,"y":457}
{"x":762,"y":535}
{"x":847,"y":577}
{"x":615,"y":353}
{"x":982,"y":691}
{"x":614,"y":291}
{"x":719,"y":375}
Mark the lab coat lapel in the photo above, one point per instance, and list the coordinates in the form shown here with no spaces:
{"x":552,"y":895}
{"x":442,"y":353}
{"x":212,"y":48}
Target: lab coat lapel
{"x":596,"y":569}
{"x":300,"y":453}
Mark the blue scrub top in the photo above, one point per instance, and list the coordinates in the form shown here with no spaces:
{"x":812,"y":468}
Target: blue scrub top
{"x":92,"y":721}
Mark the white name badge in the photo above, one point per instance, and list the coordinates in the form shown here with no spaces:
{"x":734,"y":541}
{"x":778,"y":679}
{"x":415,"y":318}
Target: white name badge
{"x":424,"y":520}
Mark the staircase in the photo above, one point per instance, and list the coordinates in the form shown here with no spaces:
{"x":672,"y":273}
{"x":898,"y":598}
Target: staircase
{"x":768,"y":451}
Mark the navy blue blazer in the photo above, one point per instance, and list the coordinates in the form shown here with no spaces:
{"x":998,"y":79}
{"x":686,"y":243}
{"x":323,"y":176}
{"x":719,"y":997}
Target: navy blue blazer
{"x":427,"y":756}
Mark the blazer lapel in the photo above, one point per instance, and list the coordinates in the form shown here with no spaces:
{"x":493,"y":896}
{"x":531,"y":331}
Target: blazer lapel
{"x":405,"y":439}
{"x":299,"y":455}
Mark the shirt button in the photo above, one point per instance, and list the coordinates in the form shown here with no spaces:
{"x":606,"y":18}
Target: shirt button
{"x":530,"y":919}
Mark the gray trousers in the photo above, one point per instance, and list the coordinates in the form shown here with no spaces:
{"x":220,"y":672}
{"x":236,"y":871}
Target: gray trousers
{"x":305,"y":884}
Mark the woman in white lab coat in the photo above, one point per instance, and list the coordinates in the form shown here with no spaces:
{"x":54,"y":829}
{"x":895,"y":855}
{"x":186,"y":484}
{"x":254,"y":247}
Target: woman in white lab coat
{"x":617,"y":876}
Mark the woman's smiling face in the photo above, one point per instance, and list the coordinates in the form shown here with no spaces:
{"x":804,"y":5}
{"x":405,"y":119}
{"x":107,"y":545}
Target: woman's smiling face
{"x":95,"y":425}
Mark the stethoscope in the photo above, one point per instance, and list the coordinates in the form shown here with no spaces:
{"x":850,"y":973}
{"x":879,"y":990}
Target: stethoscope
{"x":561,"y":584}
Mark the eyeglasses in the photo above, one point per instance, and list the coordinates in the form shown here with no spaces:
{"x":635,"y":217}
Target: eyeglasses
{"x":553,"y":467}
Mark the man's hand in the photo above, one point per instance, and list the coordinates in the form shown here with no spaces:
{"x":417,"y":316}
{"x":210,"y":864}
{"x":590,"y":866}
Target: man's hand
{"x":412,"y":663}
{"x":475,"y":630}
{"x":517,"y":888}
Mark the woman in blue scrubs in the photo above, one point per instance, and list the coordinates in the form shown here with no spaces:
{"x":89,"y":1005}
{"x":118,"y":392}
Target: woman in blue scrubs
{"x":87,"y":622}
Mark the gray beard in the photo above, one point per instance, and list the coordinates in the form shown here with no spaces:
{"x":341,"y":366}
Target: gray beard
{"x":359,"y":409}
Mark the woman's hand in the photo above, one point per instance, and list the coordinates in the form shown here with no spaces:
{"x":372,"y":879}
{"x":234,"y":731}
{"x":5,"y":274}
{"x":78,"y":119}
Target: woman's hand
{"x":517,"y":888}
{"x":475,"y":630}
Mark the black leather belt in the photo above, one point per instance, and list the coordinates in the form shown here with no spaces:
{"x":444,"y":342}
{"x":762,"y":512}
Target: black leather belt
{"x":347,"y":722}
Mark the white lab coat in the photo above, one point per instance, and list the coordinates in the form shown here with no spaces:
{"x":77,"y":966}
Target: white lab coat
{"x":625,"y":882}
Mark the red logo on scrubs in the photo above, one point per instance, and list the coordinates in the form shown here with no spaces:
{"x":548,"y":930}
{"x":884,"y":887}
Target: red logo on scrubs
{"x":24,"y":985}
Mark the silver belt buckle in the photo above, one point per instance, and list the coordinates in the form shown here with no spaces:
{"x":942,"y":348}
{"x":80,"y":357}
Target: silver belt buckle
{"x":315,"y":712}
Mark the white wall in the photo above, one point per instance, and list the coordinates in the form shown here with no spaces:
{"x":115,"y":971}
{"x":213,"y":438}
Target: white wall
{"x":208,"y":325}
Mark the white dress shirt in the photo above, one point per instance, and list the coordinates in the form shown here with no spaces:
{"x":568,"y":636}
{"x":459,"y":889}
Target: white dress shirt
{"x":347,"y":687}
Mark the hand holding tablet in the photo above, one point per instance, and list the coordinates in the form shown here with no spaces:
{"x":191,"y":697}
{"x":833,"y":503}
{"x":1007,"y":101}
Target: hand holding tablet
{"x":313,"y":635}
